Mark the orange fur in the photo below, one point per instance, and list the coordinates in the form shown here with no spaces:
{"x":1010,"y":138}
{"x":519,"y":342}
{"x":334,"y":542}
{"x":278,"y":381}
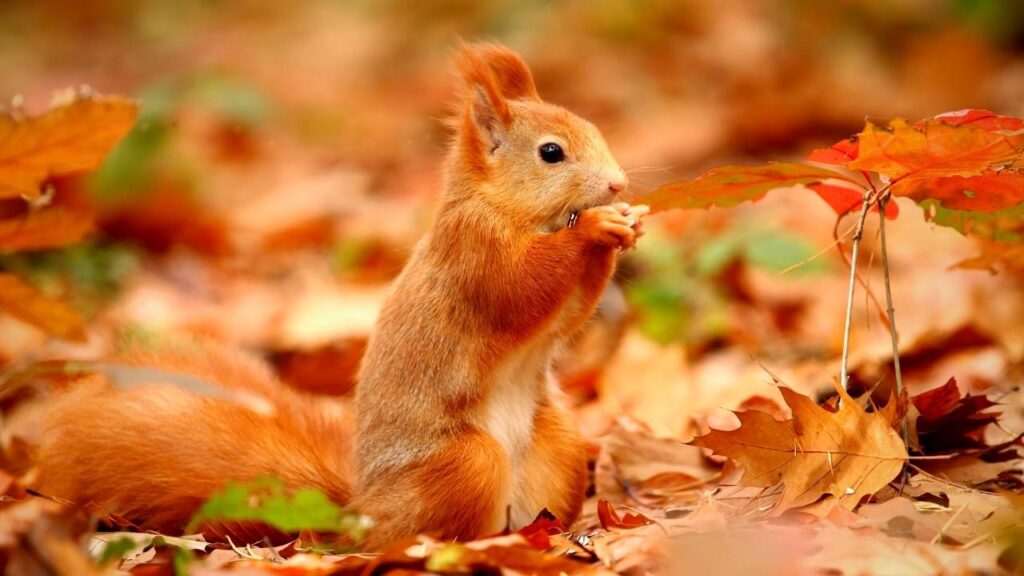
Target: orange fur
{"x":455,"y":380}
{"x":154,"y":453}
{"x":457,"y":432}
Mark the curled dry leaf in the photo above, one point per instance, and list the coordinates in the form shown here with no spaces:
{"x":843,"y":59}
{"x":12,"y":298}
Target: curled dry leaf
{"x":539,"y":532}
{"x":845,"y":455}
{"x":72,"y":137}
{"x":611,"y":520}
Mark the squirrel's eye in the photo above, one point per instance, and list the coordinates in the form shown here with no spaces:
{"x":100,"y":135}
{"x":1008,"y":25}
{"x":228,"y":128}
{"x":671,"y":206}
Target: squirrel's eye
{"x":551,"y":153}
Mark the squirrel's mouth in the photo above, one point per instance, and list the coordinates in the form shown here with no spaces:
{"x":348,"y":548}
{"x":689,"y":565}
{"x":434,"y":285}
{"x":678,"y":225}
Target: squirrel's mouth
{"x":567,"y":217}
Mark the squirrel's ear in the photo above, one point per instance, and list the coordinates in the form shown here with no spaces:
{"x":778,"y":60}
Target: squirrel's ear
{"x":513,"y":77}
{"x":486,"y":107}
{"x":486,"y":118}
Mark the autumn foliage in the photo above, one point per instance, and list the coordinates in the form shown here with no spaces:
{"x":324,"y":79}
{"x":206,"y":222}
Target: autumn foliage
{"x":73,"y":137}
{"x":964,"y":168}
{"x":703,"y":460}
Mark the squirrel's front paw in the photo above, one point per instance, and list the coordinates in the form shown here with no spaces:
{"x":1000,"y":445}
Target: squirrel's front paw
{"x":635,"y":214}
{"x":609,"y":226}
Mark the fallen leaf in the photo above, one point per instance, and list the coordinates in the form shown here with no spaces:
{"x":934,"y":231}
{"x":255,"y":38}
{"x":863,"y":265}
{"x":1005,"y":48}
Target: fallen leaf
{"x":44,"y":229}
{"x":610,"y":519}
{"x":72,"y":137}
{"x":848,"y":454}
{"x":538,"y":533}
{"x":850,"y":551}
{"x":24,"y":302}
{"x":949,"y":422}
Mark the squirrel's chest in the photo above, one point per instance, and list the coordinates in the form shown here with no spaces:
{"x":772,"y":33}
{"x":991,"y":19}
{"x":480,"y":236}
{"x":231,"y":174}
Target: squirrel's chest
{"x":518,"y":387}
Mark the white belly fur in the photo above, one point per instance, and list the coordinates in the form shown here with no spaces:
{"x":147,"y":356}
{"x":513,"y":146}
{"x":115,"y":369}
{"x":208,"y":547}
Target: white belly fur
{"x":517,"y":389}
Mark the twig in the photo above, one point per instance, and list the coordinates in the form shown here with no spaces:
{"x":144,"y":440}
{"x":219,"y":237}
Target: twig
{"x":890,"y":313}
{"x":846,"y":260}
{"x":857,"y":235}
{"x":890,"y":310}
{"x":838,"y":239}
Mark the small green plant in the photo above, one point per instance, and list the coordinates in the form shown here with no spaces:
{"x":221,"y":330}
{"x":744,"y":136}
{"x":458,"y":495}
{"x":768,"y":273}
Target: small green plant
{"x":268,"y":501}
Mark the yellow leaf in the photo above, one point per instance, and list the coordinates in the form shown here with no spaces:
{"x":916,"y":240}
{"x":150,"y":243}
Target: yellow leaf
{"x":72,"y":137}
{"x":21,"y":300}
{"x":45,"y":229}
{"x":847,"y":454}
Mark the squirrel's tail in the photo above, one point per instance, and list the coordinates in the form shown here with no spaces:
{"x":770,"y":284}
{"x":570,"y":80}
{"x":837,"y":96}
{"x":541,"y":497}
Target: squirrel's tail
{"x":152,"y":451}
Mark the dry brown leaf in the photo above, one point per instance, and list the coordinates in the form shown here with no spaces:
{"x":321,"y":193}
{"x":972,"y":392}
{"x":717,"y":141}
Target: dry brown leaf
{"x":72,"y":137}
{"x":45,"y":229}
{"x":848,"y":454}
{"x":23,"y":301}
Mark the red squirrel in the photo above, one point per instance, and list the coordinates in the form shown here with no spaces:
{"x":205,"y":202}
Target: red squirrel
{"x":458,"y":432}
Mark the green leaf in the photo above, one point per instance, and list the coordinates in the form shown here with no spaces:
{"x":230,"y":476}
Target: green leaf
{"x":1005,"y":225}
{"x":732,"y":185}
{"x":128,"y":168}
{"x":718,"y":253}
{"x":116,"y":549}
{"x":232,"y":99}
{"x":266,"y":500}
{"x":778,"y":251}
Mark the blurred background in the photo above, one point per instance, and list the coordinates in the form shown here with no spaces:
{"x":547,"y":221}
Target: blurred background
{"x":288,"y":156}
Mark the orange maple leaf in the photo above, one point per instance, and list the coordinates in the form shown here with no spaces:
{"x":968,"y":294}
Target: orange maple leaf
{"x":844,"y":455}
{"x":72,"y":137}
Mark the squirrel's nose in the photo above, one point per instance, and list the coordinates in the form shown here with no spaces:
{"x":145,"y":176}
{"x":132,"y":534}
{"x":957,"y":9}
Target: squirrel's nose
{"x":618,"y":184}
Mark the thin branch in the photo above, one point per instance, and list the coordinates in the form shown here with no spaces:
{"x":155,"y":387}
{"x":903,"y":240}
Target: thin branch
{"x":889,"y":309}
{"x":890,"y":313}
{"x":869,"y":198}
{"x":846,"y":260}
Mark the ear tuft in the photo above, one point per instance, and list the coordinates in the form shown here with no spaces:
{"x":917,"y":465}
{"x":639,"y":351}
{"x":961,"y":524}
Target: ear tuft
{"x":513,"y":77}
{"x":481,"y":88}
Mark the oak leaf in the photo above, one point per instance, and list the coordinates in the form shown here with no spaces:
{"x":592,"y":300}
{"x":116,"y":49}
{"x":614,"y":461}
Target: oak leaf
{"x":847,"y":455}
{"x":23,"y":301}
{"x":934,"y":148}
{"x":841,"y":153}
{"x":732,"y":185}
{"x":844,"y":199}
{"x":72,"y":137}
{"x":948,"y":421}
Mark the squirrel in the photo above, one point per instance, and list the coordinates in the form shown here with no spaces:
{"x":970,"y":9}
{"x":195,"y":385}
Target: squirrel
{"x":458,"y":431}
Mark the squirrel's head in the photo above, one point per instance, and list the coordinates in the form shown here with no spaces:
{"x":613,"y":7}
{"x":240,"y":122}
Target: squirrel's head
{"x":533,"y":160}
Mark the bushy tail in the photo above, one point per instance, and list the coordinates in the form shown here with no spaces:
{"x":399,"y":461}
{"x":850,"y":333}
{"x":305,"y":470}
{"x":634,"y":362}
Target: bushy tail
{"x":192,"y":418}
